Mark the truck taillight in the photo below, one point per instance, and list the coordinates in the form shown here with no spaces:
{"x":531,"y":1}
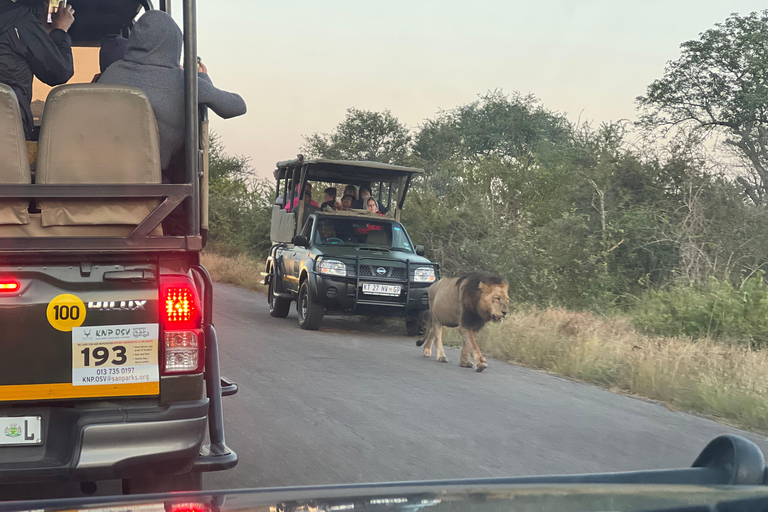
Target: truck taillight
{"x":182,"y":351}
{"x":187,"y":507}
{"x":180,"y":304}
{"x":9,"y":286}
{"x":183,"y":345}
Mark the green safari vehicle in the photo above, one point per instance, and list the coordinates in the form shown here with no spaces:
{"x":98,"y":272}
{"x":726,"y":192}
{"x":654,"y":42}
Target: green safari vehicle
{"x":350,"y":261}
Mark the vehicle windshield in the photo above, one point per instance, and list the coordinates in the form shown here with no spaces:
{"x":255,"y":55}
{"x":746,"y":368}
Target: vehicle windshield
{"x":362,"y":233}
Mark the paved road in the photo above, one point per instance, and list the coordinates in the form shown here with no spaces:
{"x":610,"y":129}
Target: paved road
{"x":352,"y":404}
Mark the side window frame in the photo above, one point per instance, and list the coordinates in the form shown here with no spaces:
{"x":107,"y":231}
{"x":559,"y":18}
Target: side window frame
{"x":308,"y":228}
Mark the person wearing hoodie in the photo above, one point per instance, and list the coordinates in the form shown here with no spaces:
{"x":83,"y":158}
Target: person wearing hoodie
{"x":27,"y":49}
{"x":152,"y":63}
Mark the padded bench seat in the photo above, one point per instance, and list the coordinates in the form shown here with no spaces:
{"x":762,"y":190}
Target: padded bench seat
{"x":90,"y":134}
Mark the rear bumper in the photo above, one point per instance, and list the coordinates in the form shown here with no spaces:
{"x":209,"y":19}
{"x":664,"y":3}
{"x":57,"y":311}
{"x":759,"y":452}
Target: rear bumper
{"x":97,"y":443}
{"x":338,"y":293}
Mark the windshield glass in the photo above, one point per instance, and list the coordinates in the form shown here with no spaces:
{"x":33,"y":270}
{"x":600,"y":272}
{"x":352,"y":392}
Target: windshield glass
{"x":362,"y":232}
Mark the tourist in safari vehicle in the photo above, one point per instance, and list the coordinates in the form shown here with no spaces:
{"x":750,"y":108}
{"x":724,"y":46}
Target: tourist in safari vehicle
{"x":109,"y":366}
{"x":31,"y":45}
{"x":351,"y":260}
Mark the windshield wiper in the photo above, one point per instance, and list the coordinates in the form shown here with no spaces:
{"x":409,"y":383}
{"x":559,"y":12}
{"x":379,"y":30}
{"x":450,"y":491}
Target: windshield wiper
{"x":403,"y":249}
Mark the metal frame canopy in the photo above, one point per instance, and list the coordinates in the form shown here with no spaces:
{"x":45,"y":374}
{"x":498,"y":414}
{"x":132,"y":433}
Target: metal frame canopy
{"x":340,"y":171}
{"x":300,"y":171}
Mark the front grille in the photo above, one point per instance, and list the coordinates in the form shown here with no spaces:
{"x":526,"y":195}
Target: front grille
{"x":391,"y":272}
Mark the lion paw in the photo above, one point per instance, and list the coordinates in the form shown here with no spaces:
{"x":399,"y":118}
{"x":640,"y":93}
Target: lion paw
{"x":442,"y":359}
{"x":481,"y":367}
{"x":467,"y":364}
{"x":427,"y":354}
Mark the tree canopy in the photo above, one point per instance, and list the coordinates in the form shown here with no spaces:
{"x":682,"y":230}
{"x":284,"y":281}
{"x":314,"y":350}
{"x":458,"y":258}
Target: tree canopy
{"x":720,"y":83}
{"x":363,"y":135}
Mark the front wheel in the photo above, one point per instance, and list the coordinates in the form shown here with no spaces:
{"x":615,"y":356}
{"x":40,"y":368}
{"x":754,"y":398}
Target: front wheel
{"x":416,"y":322}
{"x":278,"y":306}
{"x":310,"y":313}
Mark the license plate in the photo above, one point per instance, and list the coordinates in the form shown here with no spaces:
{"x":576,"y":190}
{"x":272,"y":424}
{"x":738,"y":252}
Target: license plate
{"x":21,"y":430}
{"x":381,"y":289}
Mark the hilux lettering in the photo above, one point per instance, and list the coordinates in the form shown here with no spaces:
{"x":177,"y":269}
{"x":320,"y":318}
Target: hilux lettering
{"x":119,"y":305}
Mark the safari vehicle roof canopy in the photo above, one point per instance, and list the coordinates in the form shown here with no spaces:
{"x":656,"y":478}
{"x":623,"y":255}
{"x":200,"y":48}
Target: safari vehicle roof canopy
{"x":345,"y":171}
{"x":97,"y":19}
{"x":290,"y":173}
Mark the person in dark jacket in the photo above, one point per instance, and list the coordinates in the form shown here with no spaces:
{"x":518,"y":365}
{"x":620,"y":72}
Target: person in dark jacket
{"x":152,"y":63}
{"x":28,"y":48}
{"x":329,"y":199}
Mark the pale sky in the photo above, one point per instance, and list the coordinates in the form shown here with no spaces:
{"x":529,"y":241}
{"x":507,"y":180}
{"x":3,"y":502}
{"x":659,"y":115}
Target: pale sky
{"x":300,"y":64}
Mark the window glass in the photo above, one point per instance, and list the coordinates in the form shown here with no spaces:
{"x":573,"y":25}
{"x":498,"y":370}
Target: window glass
{"x":362,"y":233}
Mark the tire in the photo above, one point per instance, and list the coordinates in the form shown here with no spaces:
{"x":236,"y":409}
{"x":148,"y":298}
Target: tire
{"x":192,"y":481}
{"x":310,"y":313}
{"x":278,"y":306}
{"x":416,"y":322}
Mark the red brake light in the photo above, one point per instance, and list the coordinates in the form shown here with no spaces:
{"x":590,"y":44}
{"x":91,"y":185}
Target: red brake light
{"x":182,"y":341}
{"x":9,"y":286}
{"x":188,"y":507}
{"x":181,"y":305}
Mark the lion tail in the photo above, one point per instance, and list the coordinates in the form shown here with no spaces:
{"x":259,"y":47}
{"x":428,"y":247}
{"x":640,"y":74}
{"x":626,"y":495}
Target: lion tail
{"x":420,"y":342}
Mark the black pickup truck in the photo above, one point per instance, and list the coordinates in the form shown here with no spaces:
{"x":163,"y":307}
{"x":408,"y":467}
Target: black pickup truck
{"x":352,"y":261}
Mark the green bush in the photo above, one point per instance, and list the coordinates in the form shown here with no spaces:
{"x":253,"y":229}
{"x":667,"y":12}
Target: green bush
{"x":716,"y":310}
{"x":240,"y":205}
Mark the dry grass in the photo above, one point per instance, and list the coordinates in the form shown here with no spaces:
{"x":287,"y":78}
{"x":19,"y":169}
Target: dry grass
{"x":723,"y":381}
{"x":240,"y":270}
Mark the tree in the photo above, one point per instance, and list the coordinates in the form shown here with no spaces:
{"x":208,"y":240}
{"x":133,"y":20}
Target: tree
{"x":510,"y":127}
{"x":239,"y":204}
{"x":720,"y":83}
{"x":363,"y":135}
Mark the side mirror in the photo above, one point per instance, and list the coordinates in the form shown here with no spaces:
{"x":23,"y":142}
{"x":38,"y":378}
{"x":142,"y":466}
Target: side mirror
{"x":301,"y":241}
{"x":420,"y":250}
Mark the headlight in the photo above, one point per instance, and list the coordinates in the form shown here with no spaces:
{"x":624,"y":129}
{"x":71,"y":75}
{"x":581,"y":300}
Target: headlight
{"x":333,"y":268}
{"x":424,"y":275}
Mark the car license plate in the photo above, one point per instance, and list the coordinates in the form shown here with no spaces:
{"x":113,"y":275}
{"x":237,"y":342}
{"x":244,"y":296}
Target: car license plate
{"x":381,"y":289}
{"x":20,"y":430}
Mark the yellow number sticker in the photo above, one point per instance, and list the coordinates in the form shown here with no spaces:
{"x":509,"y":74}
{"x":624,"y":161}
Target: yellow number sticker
{"x":65,"y":312}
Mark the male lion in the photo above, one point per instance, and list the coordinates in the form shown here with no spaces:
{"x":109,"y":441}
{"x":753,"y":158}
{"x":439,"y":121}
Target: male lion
{"x":466,"y":302}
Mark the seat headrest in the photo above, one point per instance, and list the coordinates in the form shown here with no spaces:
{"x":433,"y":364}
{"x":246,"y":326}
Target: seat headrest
{"x":95,"y":133}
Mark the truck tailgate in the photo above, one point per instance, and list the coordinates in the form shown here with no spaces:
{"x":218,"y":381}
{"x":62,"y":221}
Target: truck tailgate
{"x":78,"y":331}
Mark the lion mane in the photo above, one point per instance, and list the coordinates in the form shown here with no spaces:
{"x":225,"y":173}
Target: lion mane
{"x":473,"y":313}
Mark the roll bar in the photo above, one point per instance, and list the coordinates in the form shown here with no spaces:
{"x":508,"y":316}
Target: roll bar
{"x":192,"y":142}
